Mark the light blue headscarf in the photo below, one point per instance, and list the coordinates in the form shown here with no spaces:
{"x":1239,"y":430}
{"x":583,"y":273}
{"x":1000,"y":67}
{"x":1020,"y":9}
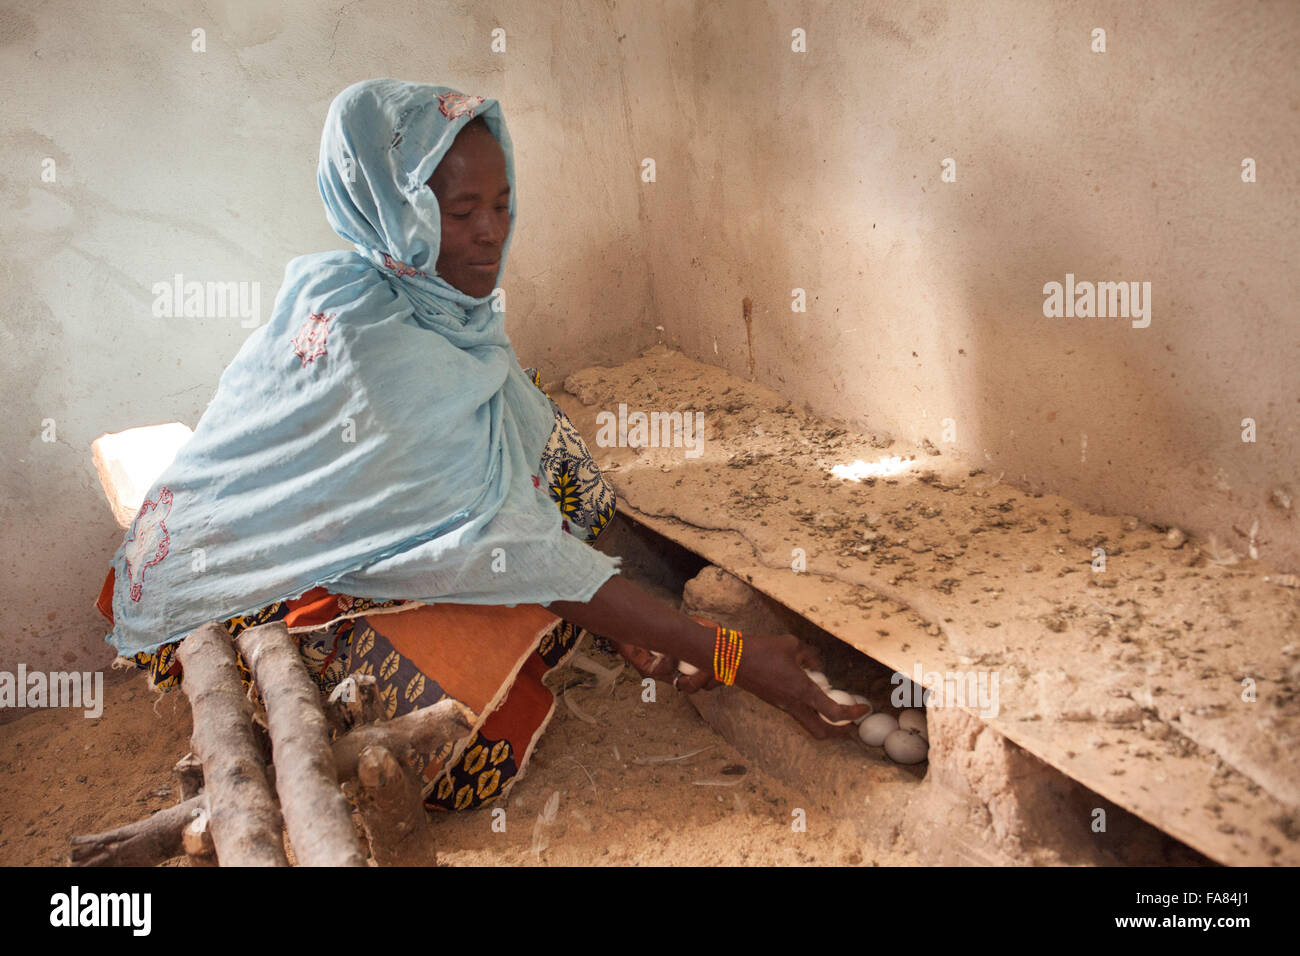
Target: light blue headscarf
{"x":378,"y":435}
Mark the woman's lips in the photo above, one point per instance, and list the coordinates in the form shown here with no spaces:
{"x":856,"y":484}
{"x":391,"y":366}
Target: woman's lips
{"x":485,"y":266}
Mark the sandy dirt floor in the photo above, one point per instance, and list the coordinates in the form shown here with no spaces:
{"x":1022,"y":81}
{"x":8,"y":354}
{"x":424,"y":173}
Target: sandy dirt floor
{"x":64,"y":774}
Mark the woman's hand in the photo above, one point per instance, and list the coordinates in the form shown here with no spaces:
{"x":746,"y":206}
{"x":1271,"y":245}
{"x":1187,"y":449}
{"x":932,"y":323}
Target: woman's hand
{"x":772,"y":669}
{"x":771,"y":666}
{"x":664,"y":668}
{"x":647,"y":663}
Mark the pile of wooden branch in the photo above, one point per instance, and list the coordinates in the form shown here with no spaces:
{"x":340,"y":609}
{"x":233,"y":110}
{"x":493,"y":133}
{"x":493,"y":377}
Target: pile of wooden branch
{"x":229,"y":814}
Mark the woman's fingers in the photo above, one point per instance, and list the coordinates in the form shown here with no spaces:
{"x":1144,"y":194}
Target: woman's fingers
{"x":633,"y":655}
{"x":661,"y":667}
{"x":807,"y":716}
{"x":690,"y":683}
{"x":647,"y":663}
{"x":808,"y":657}
{"x":821,"y":703}
{"x":811,"y":695}
{"x":809,"y":690}
{"x":813,"y":723}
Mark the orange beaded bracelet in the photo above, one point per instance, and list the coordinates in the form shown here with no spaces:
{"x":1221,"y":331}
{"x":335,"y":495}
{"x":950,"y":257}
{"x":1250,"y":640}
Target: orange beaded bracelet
{"x":726,"y":654}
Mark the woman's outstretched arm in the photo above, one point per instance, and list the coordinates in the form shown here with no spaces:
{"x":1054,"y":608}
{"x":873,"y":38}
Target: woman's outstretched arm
{"x":771,"y":666}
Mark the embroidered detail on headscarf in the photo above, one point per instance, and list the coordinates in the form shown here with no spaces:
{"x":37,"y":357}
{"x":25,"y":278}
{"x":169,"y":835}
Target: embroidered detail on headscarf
{"x":402,"y":121}
{"x":401,"y":268}
{"x":458,"y":104}
{"x":309,"y":343}
{"x":149,"y":541}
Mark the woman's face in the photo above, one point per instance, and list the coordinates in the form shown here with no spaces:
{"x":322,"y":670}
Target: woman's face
{"x":474,"y":198}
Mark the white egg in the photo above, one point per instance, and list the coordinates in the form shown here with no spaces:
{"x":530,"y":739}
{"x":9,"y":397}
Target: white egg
{"x":687,"y":669}
{"x":840,"y":697}
{"x":819,"y":679}
{"x":859,"y":699}
{"x":914,"y":720}
{"x":876,"y":728}
{"x":906,"y":746}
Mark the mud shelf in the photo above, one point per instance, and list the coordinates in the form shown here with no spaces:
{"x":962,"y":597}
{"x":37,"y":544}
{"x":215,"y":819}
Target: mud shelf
{"x":1132,"y":680}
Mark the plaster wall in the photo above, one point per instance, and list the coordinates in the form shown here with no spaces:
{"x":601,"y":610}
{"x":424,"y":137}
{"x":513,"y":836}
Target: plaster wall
{"x":170,"y":161}
{"x":822,"y":171}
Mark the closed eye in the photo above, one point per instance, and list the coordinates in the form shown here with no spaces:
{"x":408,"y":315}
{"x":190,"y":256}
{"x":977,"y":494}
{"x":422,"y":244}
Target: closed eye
{"x":462,"y":216}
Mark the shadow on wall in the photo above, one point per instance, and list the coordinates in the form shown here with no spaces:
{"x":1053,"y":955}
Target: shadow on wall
{"x":1079,"y":397}
{"x":1092,"y":407}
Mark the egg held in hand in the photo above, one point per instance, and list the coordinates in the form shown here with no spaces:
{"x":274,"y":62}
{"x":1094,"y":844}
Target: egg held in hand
{"x":840,"y":697}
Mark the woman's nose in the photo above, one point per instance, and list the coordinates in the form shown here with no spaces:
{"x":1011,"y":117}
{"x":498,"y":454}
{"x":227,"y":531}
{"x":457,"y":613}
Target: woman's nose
{"x":490,"y":228}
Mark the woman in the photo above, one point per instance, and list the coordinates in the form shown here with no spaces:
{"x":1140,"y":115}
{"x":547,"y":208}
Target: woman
{"x":378,"y":471}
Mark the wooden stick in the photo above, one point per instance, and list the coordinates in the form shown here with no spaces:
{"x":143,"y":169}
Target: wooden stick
{"x":392,"y":812}
{"x":189,"y":775}
{"x":157,"y":838}
{"x":246,"y":823}
{"x":196,"y":839}
{"x":354,"y":702}
{"x":145,"y":842}
{"x":424,"y":731}
{"x":316,"y":813}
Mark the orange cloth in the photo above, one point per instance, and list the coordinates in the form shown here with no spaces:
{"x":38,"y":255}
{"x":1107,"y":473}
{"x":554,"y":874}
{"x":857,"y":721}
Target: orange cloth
{"x":317,"y":606}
